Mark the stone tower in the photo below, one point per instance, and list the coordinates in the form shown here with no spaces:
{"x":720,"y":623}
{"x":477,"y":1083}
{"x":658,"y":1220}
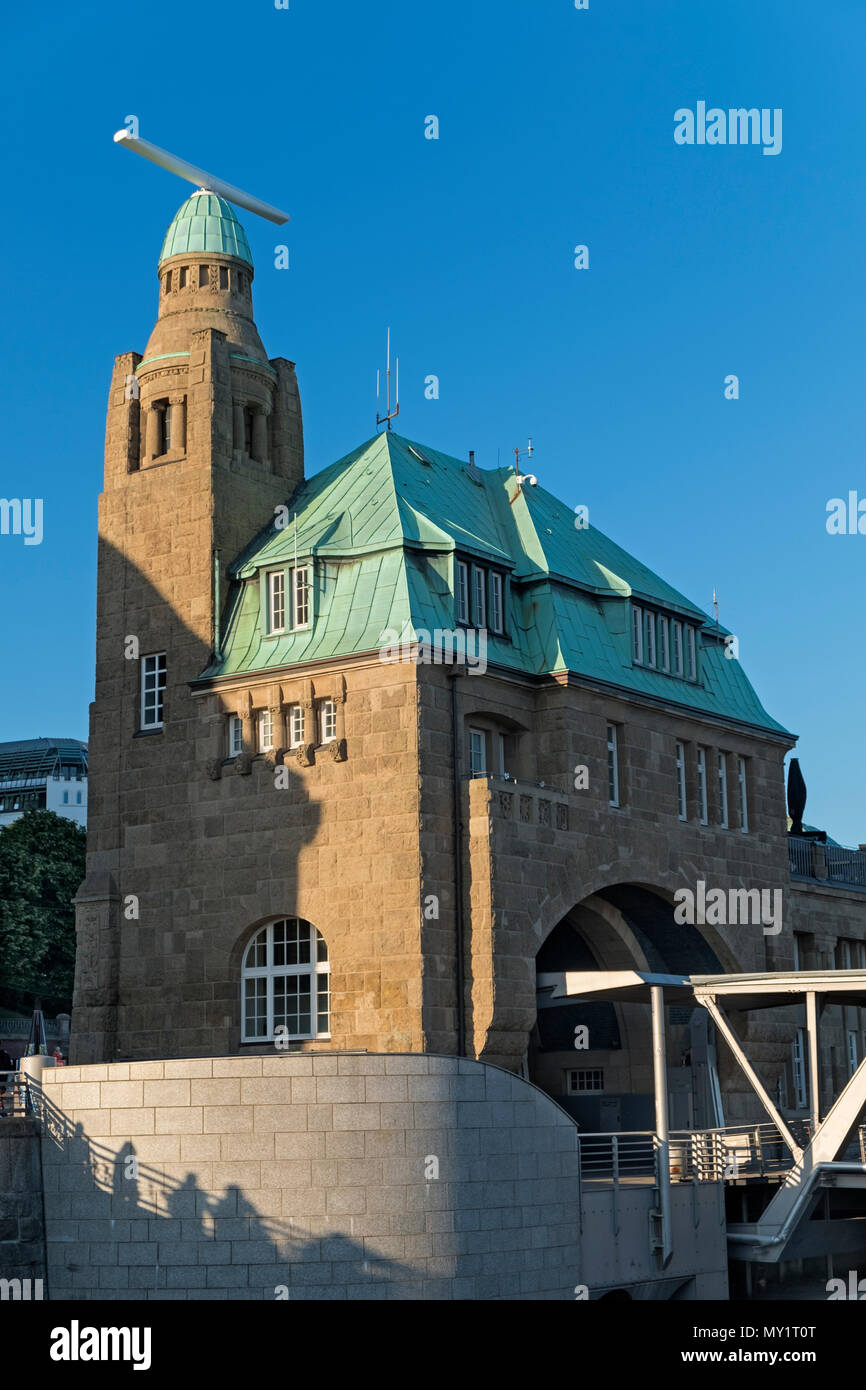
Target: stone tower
{"x":203,"y":440}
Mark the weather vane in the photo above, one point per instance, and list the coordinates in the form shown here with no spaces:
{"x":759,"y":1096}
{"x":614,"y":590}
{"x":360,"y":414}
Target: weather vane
{"x":522,"y":478}
{"x":208,"y":183}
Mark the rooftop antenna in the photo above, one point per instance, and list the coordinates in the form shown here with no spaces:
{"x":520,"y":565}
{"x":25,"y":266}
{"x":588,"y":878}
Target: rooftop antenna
{"x":716,"y":607}
{"x":389,"y":414}
{"x":207,"y":183}
{"x":524,"y":477}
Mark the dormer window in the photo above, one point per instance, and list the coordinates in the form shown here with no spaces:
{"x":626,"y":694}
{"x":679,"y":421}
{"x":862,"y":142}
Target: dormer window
{"x":479,"y":599}
{"x":462,"y":586}
{"x":277,"y":601}
{"x":289,"y":599}
{"x":301,"y":596}
{"x":662,"y":643}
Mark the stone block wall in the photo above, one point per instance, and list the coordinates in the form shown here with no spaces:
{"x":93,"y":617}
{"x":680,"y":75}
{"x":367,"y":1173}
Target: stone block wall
{"x":22,"y":1245}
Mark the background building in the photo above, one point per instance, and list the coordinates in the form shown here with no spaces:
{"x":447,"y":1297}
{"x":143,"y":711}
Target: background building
{"x":43,"y":774}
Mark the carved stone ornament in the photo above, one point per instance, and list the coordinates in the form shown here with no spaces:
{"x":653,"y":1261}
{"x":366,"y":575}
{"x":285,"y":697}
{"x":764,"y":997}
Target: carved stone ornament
{"x":338,"y":750}
{"x":213,"y":768}
{"x":243,"y":764}
{"x":306,"y":754}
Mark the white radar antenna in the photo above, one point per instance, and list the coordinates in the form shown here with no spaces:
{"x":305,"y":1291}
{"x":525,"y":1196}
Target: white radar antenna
{"x":208,"y":183}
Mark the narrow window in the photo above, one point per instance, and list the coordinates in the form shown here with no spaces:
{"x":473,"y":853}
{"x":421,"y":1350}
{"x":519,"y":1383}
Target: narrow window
{"x":241,"y":281}
{"x":301,"y":591}
{"x":296,"y":726}
{"x":203,"y":276}
{"x":224,"y":277}
{"x":853,"y":1060}
{"x":743,"y":793}
{"x":722,"y":765}
{"x":78,"y":798}
{"x":479,"y":603}
{"x":165,"y":422}
{"x":462,"y":592}
{"x":637,"y":633}
{"x":681,"y":781}
{"x":277,"y":601}
{"x":266,"y":731}
{"x":503,"y":768}
{"x":678,"y":648}
{"x":328,"y":718}
{"x":664,"y":643}
{"x":236,"y":736}
{"x":183,"y":276}
{"x":152,"y":690}
{"x":650,"y":641}
{"x":477,"y":752}
{"x":692,"y":671}
{"x":66,"y":798}
{"x":703,"y":811}
{"x":496,"y":601}
{"x":167,"y":282}
{"x":798,"y":1055}
{"x":248,"y":432}
{"x":612,"y":765}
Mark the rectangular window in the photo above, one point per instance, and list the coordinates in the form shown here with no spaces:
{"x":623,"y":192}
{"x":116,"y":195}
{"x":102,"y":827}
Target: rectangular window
{"x":703,"y":809}
{"x":236,"y":736}
{"x":66,"y":798}
{"x":681,"y":781}
{"x":477,"y":752}
{"x":78,"y":798}
{"x":301,"y":591}
{"x":743,"y":795}
{"x":277,"y":601}
{"x":256,"y":1007}
{"x":203,"y":276}
{"x":296,"y":726}
{"x":692,"y":654}
{"x":266,"y":731}
{"x":588,"y":1079}
{"x":722,"y":766}
{"x":650,"y":637}
{"x":183,"y":276}
{"x":503,"y":762}
{"x":479,"y":597}
{"x":843,"y":954}
{"x":798,"y":1067}
{"x":496,"y":601}
{"x":637,"y":632}
{"x":165,"y":417}
{"x":462,"y":592}
{"x":612,"y":765}
{"x":664,"y":643}
{"x":224,"y":277}
{"x":678,"y":648}
{"x":152,"y":690}
{"x":853,"y":1059}
{"x":168,"y":282}
{"x":328,"y":717}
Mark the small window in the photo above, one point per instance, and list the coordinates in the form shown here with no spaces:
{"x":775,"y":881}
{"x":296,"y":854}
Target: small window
{"x":166,"y":417}
{"x":612,"y":765}
{"x":78,"y":798}
{"x":503,"y":758}
{"x":301,"y":591}
{"x":678,"y":648}
{"x":587,"y":1079}
{"x":681,"y":781}
{"x":664,"y":643}
{"x":743,"y":794}
{"x":241,"y":280}
{"x":703,"y":809}
{"x":496,"y":601}
{"x":66,"y":798}
{"x":853,"y":1059}
{"x":798,"y":1067}
{"x":277,"y":601}
{"x":248,"y":431}
{"x":203,"y":276}
{"x":266,"y":731}
{"x":637,"y":633}
{"x":328,"y":720}
{"x":650,"y":638}
{"x":296,"y":726}
{"x":167,"y":282}
{"x":692,"y":654}
{"x":152,"y":690}
{"x":224,"y":277}
{"x":722,"y":769}
{"x":477,"y":752}
{"x":479,"y":598}
{"x":462,"y":592}
{"x":183,"y":276}
{"x":236,"y":736}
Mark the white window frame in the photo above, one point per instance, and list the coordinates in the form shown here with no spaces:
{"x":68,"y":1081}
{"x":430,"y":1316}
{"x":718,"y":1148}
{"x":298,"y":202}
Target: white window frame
{"x":722,"y":776}
{"x":637,"y":633}
{"x":265,"y":724}
{"x":743,"y":795}
{"x":703,"y":800}
{"x":236,"y":735}
{"x":612,"y":765}
{"x":302,"y":593}
{"x":692,"y":653}
{"x":679,"y":650}
{"x":682,"y":804}
{"x":477,"y":742}
{"x":277,"y":601}
{"x":479,"y":596}
{"x":153,"y":667}
{"x":461,"y":586}
{"x":664,"y":643}
{"x":327,"y":721}
{"x":588,"y":1074}
{"x":296,"y":720}
{"x":496,"y":610}
{"x":317,"y":970}
{"x":650,"y":633}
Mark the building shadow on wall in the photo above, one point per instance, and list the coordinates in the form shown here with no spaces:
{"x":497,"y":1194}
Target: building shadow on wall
{"x":118,"y":1228}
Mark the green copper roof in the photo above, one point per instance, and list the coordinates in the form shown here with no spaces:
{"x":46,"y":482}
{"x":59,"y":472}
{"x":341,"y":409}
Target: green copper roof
{"x":205,"y":224}
{"x":383,"y":526}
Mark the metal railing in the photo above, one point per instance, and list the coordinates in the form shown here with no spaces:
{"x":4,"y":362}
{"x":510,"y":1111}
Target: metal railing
{"x":14,"y":1094}
{"x":800,"y":856}
{"x":709,"y":1155}
{"x":843,"y":865}
{"x":622,"y":1157}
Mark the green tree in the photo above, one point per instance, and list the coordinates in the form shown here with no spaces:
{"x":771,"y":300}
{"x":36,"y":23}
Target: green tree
{"x":41,"y":868}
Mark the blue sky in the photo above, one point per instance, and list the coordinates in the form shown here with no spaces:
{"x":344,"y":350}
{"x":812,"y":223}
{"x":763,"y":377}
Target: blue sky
{"x":556,"y":128}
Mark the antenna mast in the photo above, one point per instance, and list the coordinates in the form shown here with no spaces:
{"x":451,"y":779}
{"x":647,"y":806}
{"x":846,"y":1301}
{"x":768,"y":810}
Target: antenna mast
{"x":389,"y":413}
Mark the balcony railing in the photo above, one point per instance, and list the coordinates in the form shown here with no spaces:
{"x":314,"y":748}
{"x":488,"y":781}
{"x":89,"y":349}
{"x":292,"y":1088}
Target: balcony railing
{"x":827,"y":863}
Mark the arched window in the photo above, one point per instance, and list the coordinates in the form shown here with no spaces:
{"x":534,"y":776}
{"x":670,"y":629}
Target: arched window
{"x":286,"y":983}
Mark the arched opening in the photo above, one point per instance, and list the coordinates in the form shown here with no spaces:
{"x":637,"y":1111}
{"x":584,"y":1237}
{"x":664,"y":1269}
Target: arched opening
{"x":285,"y":984}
